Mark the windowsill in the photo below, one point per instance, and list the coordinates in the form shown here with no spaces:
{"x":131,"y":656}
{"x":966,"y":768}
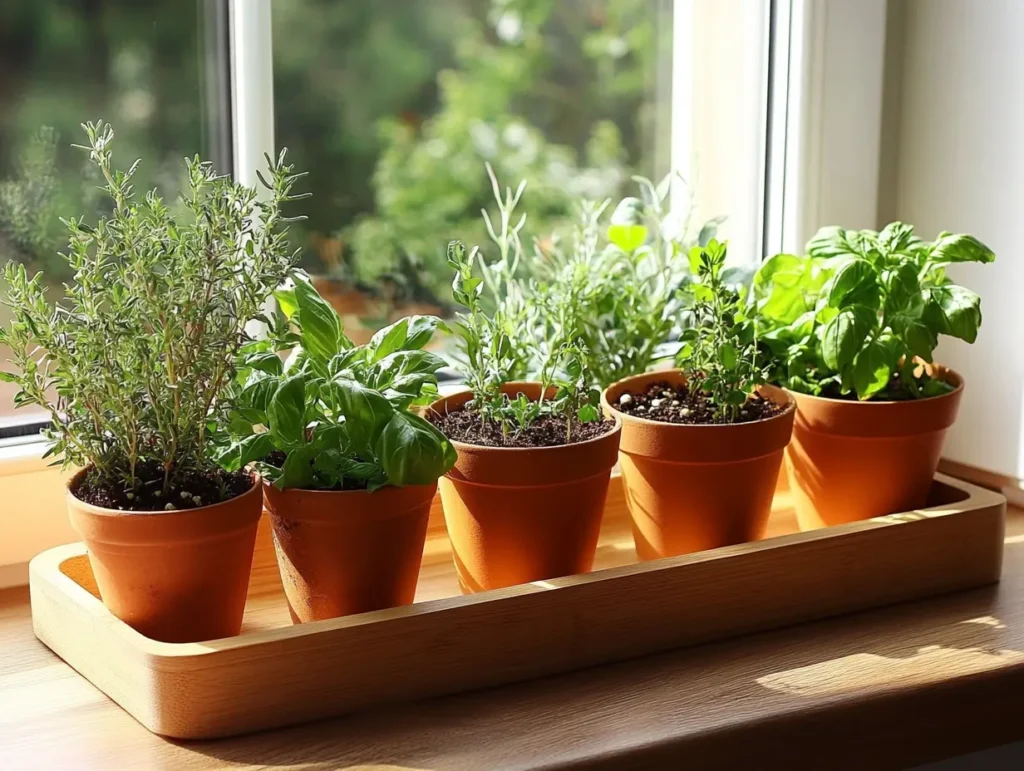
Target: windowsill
{"x":889,"y":688}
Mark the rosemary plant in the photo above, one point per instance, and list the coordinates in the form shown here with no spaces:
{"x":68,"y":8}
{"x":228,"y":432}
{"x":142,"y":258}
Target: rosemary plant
{"x":132,"y":363}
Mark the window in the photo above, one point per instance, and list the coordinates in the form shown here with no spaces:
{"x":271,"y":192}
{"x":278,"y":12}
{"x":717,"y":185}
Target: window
{"x":394,"y":107}
{"x":154,"y":70}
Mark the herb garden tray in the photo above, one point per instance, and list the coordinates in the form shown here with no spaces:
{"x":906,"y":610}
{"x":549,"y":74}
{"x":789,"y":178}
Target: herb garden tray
{"x":275,"y":674}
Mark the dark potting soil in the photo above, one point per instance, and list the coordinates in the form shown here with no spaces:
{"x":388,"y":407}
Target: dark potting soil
{"x":895,"y":391}
{"x":192,"y":491}
{"x":547,"y":431}
{"x":676,"y":404}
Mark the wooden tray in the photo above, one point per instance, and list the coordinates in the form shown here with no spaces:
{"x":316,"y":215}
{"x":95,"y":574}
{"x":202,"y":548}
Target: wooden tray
{"x":275,"y":674}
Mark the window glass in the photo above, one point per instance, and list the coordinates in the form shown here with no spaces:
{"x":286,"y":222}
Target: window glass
{"x":395,"y":106}
{"x":143,"y":67}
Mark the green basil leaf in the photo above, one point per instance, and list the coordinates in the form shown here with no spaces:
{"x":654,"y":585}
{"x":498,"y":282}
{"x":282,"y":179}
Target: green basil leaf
{"x":246,"y":450}
{"x":872,"y":369}
{"x":285,"y":412}
{"x":920,"y":339}
{"x":322,"y":336}
{"x":297,"y":470}
{"x":286,"y":302}
{"x":366,"y":411}
{"x":845,"y":335}
{"x":828,"y":243}
{"x":896,"y":236}
{"x":961,"y":311}
{"x":961,"y":248}
{"x":346,"y":360}
{"x":412,"y":452}
{"x":855,"y":283}
{"x":265,"y":362}
{"x":388,"y":339}
{"x":903,"y":296}
{"x":588,"y":413}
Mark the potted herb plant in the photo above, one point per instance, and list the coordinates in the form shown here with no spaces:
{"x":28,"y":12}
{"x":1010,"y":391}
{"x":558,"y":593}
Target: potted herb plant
{"x":524,"y":500}
{"x":131,"y":367}
{"x":349,"y":472}
{"x":852,"y":327}
{"x":702,"y":445}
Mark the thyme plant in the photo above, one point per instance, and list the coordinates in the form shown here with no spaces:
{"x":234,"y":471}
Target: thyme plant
{"x":719,"y":349}
{"x":132,"y":363}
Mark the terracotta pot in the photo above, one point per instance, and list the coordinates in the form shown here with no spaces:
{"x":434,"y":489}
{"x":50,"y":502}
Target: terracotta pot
{"x":343,"y":552}
{"x":174,"y":576}
{"x":696,"y":487}
{"x":854,"y":460}
{"x":516,"y":515}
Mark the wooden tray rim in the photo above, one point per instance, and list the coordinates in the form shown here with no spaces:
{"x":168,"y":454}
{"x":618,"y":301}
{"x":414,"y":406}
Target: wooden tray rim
{"x":45,"y":569}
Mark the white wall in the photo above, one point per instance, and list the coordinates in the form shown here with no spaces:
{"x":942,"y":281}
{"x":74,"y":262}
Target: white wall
{"x":954,"y":158}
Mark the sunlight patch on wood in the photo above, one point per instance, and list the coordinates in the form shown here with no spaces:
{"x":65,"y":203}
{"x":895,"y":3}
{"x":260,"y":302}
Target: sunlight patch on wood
{"x":862,"y":671}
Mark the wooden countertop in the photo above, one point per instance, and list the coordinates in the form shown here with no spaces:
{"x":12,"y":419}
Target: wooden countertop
{"x":880,"y":689}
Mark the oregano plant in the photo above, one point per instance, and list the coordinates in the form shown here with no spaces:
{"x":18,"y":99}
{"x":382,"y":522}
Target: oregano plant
{"x":719,"y":348}
{"x":132,"y":364}
{"x":857,"y":313}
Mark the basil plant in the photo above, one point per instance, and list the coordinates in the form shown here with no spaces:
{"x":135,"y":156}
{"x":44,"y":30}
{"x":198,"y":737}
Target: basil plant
{"x":334,"y":415}
{"x":862,"y":309}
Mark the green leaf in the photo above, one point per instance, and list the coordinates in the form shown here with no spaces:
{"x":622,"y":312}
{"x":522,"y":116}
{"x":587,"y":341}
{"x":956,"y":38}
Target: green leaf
{"x":322,"y":336}
{"x":246,"y":450}
{"x":903,"y":296}
{"x":727,"y":355}
{"x":413,"y":452}
{"x":588,"y":413}
{"x":709,"y":231}
{"x":388,"y":339}
{"x":855,"y":283}
{"x":286,"y":410}
{"x":786,"y":287}
{"x":872,"y":369}
{"x":286,"y":302}
{"x":828,"y":243}
{"x":366,"y":411}
{"x":920,"y":339}
{"x":407,"y":334}
{"x":896,"y":237}
{"x":8,"y":377}
{"x":961,"y":311}
{"x":845,"y":335}
{"x":268,"y":362}
{"x":297,"y":470}
{"x":961,"y":248}
{"x":628,"y":238}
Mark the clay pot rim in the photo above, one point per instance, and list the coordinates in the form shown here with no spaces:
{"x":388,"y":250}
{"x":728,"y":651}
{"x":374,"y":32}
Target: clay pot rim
{"x":947,"y":373}
{"x":788,"y":407}
{"x":105,"y":512}
{"x":617,"y":428}
{"x":266,"y":483}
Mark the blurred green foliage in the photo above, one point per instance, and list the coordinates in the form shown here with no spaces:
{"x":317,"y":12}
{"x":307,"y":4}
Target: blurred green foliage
{"x":398,"y":105}
{"x":393,"y":105}
{"x":62,"y":62}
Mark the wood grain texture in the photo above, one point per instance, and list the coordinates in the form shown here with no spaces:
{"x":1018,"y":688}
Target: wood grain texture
{"x":707,"y":707}
{"x":276,"y":673}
